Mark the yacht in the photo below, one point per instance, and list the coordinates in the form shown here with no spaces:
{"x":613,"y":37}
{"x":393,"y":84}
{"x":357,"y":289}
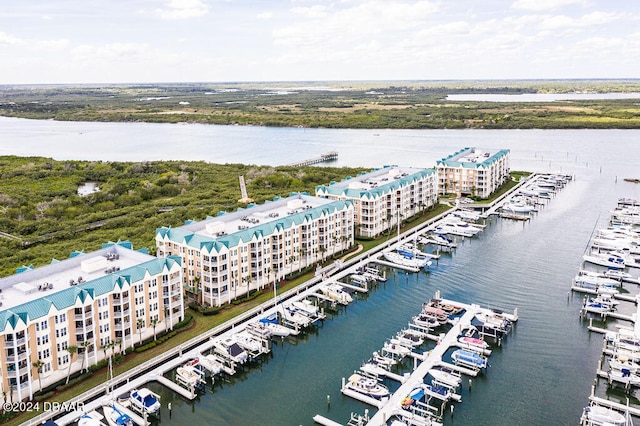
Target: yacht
{"x":144,"y":401}
{"x":115,"y":417}
{"x":228,"y":348}
{"x":367,"y":386}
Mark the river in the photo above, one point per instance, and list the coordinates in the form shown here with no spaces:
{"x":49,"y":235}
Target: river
{"x":542,"y":374}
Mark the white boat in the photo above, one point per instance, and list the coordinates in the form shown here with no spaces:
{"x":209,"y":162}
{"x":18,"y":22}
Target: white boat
{"x":228,"y":348}
{"x":467,"y":214}
{"x":92,"y":418}
{"x":624,"y":339}
{"x":144,"y":401}
{"x":394,"y":348}
{"x":623,"y":362}
{"x":258,"y":330}
{"x":337,"y":293}
{"x":410,"y":338}
{"x":601,"y":304}
{"x":624,"y":377}
{"x":306,"y":308}
{"x":115,"y":417}
{"x":437,"y":239}
{"x":617,"y":274}
{"x":473,"y":343}
{"x":374,"y":368}
{"x":402,"y":260}
{"x":367,"y":386}
{"x":516,"y":206}
{"x":597,"y":415}
{"x":271,"y":323}
{"x":452,"y":229}
{"x":605,"y":259}
{"x":588,"y":279}
{"x":409,"y":249}
{"x":189,"y":377}
{"x":211,"y":363}
{"x":469,"y":359}
{"x":248,"y":342}
{"x":449,"y":378}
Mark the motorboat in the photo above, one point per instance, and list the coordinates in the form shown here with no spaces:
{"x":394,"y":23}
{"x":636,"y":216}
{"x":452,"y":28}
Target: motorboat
{"x":395,"y":348}
{"x":228,"y":348}
{"x":605,"y":259}
{"x":425,"y":321}
{"x":439,"y":314}
{"x":448,"y":228}
{"x":601,"y":304}
{"x":448,"y":308}
{"x":624,"y":339}
{"x":622,"y":362}
{"x":473,"y":343}
{"x":414,"y":396}
{"x":491,"y":324}
{"x":211,"y":363}
{"x":374,"y":368}
{"x":590,"y":279}
{"x":467,"y":214}
{"x":624,"y":376}
{"x":617,"y":274}
{"x":143,"y":400}
{"x":336,"y":292}
{"x":115,"y":417}
{"x":374,"y":274}
{"x":306,"y":308}
{"x":438,"y":239}
{"x":517,"y":206}
{"x":367,"y":386}
{"x":92,"y":418}
{"x":599,"y":415}
{"x":437,"y":391}
{"x":248,"y":342}
{"x":258,"y":330}
{"x":447,"y":377}
{"x":191,"y":378}
{"x":271,"y":323}
{"x":469,"y":359}
{"x":410,"y":338}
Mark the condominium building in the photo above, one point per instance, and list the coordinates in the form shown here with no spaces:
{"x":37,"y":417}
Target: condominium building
{"x":384,"y":197}
{"x":226,"y":256}
{"x":97,"y":303}
{"x":472,"y":171}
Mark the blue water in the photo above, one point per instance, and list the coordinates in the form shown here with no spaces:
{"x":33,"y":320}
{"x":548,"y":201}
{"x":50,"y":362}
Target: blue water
{"x":542,"y":374}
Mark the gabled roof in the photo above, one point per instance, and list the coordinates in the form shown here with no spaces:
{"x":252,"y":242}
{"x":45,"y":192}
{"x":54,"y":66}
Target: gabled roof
{"x":464,"y":158}
{"x":67,"y":298}
{"x":202,"y":241}
{"x":340,"y":189}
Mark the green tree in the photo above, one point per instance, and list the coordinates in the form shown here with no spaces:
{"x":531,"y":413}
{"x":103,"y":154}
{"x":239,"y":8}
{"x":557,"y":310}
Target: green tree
{"x":72,"y":351}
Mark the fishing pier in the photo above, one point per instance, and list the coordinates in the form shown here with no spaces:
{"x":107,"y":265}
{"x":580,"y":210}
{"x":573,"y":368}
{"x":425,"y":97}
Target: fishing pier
{"x":323,"y":158}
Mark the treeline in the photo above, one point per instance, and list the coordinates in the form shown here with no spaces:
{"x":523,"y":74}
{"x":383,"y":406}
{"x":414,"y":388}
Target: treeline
{"x":43,"y":217}
{"x":418,"y":105}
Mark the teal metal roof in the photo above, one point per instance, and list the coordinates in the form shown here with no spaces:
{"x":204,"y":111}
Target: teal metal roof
{"x":67,"y":298}
{"x":451,"y":161}
{"x":377,"y":192}
{"x":217,"y":244}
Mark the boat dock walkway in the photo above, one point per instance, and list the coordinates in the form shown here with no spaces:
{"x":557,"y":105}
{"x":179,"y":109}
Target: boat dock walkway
{"x":327,"y":156}
{"x":433,"y":359}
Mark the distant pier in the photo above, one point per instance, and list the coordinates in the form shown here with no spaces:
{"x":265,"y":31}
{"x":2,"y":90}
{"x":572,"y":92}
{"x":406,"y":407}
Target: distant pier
{"x":327,"y":156}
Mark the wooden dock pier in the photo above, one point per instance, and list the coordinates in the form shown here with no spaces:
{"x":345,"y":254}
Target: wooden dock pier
{"x":327,"y":156}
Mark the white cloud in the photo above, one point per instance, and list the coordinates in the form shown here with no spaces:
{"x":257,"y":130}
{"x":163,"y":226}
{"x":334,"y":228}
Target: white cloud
{"x":265,"y":15}
{"x":539,"y":5}
{"x":182,"y":9}
{"x":591,"y":19}
{"x":9,"y":40}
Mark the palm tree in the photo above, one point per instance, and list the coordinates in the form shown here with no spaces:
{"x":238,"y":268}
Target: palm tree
{"x":72,"y":350}
{"x":291,"y":260}
{"x":85,"y":346}
{"x":38,"y":365}
{"x":154,"y":322}
{"x":140,"y":324}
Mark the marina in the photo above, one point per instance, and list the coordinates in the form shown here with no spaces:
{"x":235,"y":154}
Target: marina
{"x":491,"y":269}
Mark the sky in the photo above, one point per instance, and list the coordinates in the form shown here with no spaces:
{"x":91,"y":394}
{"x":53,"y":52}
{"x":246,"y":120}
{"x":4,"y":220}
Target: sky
{"x":155,"y":41}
